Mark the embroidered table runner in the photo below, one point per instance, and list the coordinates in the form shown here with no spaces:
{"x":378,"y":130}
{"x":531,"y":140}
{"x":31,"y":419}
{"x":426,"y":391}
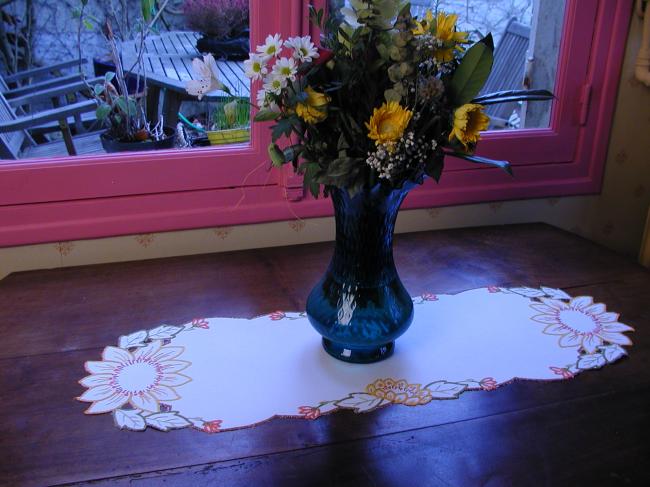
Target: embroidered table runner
{"x":217,"y":374}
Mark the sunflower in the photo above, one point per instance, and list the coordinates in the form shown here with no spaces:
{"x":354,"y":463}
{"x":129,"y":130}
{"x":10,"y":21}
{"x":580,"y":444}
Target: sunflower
{"x":469,"y":120}
{"x":443,"y":28}
{"x":314,"y":109}
{"x":388,"y":123}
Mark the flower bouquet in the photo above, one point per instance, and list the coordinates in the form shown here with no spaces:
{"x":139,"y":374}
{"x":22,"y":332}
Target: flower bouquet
{"x":364,"y":118}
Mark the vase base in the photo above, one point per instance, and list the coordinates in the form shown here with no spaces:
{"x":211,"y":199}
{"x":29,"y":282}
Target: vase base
{"x":358,"y":355}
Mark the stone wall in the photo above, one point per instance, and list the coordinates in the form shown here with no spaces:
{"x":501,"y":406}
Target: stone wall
{"x":56,"y":36}
{"x":56,"y":28}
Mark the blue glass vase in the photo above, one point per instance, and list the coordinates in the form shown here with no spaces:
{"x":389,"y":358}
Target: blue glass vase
{"x":360,"y":306}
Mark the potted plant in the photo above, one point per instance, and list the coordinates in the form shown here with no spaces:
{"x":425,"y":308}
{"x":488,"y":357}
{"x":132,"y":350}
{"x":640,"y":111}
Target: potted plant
{"x":366,"y":119}
{"x":230,"y":122}
{"x":124,"y":111}
{"x":223,"y":25}
{"x":125,"y":28}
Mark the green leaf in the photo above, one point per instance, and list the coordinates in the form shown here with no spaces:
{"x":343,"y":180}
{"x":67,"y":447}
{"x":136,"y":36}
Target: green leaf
{"x":121,"y":104}
{"x":505,"y":165}
{"x":340,"y":167}
{"x":127,"y":106}
{"x":88,"y":24}
{"x":316,"y":16}
{"x":147,"y":9}
{"x":276,"y":155}
{"x":283,"y":127}
{"x":108,"y":77}
{"x":488,"y":40}
{"x":433,"y":168}
{"x":98,"y":89}
{"x":266,"y":116}
{"x":473,"y":72}
{"x":309,"y":169}
{"x":342,"y":143}
{"x":102,"y":111}
{"x":133,"y":107}
{"x":392,"y":95}
{"x":342,"y":172}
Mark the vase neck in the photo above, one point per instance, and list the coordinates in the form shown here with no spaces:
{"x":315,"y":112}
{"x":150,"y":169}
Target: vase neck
{"x":365,"y":224}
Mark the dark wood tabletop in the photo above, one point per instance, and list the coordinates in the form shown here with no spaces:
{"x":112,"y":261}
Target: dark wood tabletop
{"x":591,"y":430}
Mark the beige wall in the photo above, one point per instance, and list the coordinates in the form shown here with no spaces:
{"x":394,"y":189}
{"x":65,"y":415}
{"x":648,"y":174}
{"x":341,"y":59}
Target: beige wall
{"x":616,"y":218}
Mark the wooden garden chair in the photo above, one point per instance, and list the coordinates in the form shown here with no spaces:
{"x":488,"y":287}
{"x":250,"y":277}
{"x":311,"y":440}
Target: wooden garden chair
{"x":34,"y":81}
{"x":508,"y":70}
{"x":16,"y":142}
{"x":22,"y":83}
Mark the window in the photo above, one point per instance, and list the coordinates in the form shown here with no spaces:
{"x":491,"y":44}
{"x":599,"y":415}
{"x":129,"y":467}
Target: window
{"x":52,"y":199}
{"x":140,"y":61}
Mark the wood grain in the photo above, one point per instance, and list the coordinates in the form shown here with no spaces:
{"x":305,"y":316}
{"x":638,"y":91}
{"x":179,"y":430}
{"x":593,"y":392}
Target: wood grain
{"x":555,"y":433}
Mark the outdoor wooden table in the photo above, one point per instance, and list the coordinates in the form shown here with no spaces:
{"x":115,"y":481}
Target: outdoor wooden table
{"x":591,"y":430}
{"x":168,"y":66}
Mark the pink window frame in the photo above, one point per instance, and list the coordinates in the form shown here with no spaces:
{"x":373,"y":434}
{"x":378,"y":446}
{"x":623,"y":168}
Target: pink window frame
{"x":118,"y":194}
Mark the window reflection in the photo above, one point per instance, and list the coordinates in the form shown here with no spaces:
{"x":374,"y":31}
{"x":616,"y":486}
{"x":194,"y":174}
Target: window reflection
{"x":134,"y":62}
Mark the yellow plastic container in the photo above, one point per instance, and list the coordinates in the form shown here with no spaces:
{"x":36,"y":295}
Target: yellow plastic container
{"x":231,"y":136}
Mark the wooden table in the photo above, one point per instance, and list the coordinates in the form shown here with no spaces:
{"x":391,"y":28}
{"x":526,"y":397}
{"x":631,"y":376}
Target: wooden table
{"x":168,"y":66}
{"x":592,"y":430}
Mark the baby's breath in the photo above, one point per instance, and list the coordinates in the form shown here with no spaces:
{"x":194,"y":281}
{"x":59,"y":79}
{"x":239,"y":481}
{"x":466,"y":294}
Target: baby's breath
{"x":391,"y":159}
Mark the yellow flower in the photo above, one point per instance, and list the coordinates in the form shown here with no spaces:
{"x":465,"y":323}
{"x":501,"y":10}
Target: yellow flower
{"x":423,"y":27}
{"x":314,"y":109}
{"x":445,"y":31}
{"x":388,"y":123}
{"x":443,"y":28}
{"x":399,"y":392}
{"x":469,"y":120}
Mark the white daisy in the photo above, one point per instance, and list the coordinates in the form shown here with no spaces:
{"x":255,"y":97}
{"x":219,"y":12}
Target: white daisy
{"x":581,"y":323}
{"x":274,"y":84}
{"x":303,"y":48}
{"x":255,"y":67}
{"x":285,"y":68}
{"x":142,"y":378}
{"x":271,"y":48}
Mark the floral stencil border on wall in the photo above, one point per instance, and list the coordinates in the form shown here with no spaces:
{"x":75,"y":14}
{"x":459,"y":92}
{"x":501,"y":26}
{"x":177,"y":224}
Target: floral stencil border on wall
{"x":201,"y":374}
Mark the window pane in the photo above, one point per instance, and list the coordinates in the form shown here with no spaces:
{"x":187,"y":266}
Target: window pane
{"x":145,"y":98}
{"x":527,"y":37}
